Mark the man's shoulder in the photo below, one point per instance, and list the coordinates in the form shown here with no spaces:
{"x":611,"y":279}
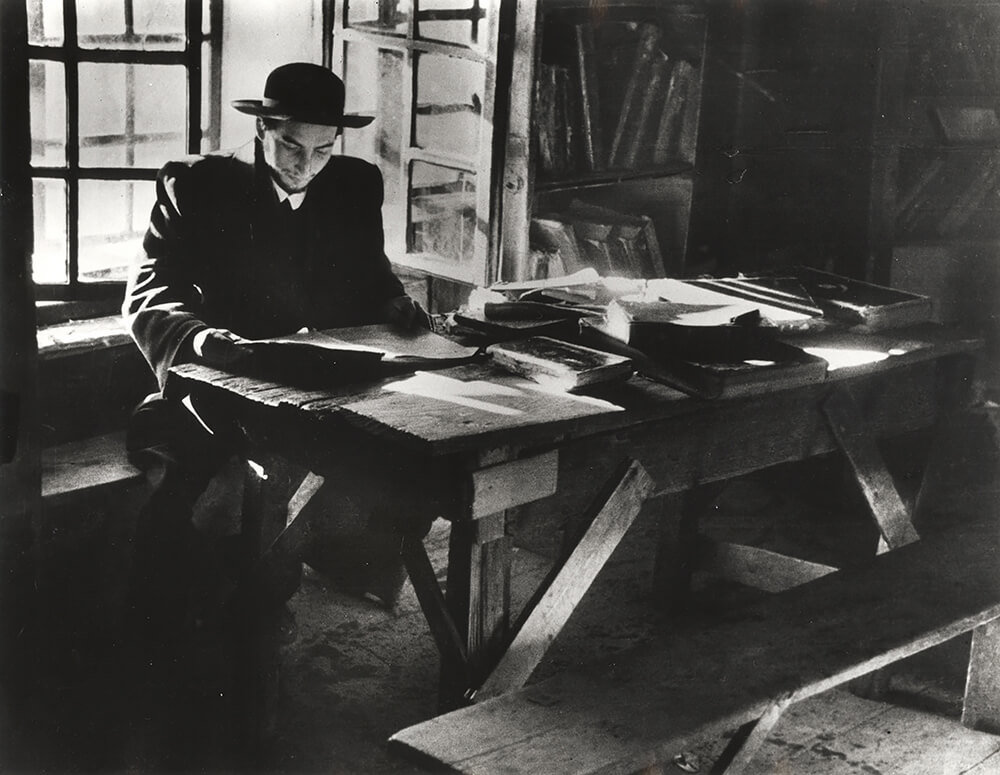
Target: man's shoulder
{"x":208,"y":164}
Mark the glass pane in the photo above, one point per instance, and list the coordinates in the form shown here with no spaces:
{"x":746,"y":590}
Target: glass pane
{"x":48,"y":114}
{"x":155,"y":24}
{"x":453,"y":21}
{"x":45,"y":22}
{"x":390,"y":16}
{"x":449,"y":104}
{"x":442,"y":212}
{"x":50,"y":261}
{"x":114,"y":215}
{"x":98,"y":20}
{"x":375,"y":87}
{"x":160,"y":21}
{"x":131,"y":115}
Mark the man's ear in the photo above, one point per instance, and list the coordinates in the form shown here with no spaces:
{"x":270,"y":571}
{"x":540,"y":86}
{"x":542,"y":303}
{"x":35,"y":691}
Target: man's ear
{"x":260,"y":128}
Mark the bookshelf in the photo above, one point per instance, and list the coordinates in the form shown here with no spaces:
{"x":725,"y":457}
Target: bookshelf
{"x":935,"y":199}
{"x":944,"y":141}
{"x":605,"y":142}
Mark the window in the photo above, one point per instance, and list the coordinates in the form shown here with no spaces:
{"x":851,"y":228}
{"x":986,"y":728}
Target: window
{"x":117,"y":88}
{"x":426,"y":69}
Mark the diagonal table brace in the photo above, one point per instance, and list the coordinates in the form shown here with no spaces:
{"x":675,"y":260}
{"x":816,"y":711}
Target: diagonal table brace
{"x":631,"y":485}
{"x":887,"y":507}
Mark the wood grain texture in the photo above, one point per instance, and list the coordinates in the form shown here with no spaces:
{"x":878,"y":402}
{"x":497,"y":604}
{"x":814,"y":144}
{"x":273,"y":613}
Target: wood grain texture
{"x":698,"y":681}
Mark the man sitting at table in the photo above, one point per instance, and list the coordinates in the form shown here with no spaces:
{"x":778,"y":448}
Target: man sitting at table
{"x":259,"y":242}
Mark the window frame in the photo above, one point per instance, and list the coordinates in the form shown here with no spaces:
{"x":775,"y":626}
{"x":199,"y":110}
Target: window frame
{"x":486,"y":164}
{"x":71,"y":55}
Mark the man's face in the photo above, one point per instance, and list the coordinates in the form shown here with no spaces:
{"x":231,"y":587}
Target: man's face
{"x":296,"y":152}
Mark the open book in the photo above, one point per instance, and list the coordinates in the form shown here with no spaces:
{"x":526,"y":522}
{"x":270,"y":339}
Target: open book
{"x":343,"y":355}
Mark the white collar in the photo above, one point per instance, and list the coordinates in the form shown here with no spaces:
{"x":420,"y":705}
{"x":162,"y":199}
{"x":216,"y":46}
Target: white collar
{"x":294,"y":200}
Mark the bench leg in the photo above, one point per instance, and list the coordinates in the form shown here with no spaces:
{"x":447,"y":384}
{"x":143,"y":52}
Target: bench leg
{"x":748,"y":740}
{"x":981,"y":709}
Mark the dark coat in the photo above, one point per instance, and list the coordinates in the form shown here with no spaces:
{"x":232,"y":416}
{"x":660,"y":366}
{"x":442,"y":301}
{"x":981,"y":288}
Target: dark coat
{"x":215,"y":255}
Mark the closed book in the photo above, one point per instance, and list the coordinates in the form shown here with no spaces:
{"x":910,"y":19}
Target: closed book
{"x":635,"y":92}
{"x":560,"y":364}
{"x":555,"y":234}
{"x":672,"y":116}
{"x":855,"y":302}
{"x":591,"y":131}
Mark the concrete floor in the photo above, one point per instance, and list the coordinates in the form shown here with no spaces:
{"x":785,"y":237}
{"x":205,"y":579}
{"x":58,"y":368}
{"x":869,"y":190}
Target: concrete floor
{"x":356,"y":673}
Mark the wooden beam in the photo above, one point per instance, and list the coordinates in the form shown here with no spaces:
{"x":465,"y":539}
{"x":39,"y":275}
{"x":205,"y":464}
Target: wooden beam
{"x":632,"y":486}
{"x":755,"y":567}
{"x":888,"y":509}
{"x":981,"y":708}
{"x":514,"y":483}
{"x":449,"y":642}
{"x":744,"y":746}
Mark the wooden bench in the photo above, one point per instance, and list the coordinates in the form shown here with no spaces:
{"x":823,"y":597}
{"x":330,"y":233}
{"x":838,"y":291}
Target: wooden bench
{"x":96,"y":466}
{"x":740,"y":673}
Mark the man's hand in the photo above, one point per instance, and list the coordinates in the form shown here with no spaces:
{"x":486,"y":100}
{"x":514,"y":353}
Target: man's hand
{"x":404,"y":312}
{"x":218,"y":347}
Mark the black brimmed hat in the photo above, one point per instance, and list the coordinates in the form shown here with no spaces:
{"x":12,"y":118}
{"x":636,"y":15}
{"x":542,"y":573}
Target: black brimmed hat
{"x":303,"y":92}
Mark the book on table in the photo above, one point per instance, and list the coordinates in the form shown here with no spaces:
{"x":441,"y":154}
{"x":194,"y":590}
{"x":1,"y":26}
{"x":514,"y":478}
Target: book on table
{"x":710,"y":349}
{"x":344,"y":355}
{"x":561,"y":364}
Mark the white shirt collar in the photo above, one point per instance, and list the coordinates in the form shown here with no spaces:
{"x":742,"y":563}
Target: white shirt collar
{"x":295,"y":200}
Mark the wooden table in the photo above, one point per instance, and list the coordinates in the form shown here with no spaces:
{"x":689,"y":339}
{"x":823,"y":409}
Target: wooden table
{"x":473,"y":443}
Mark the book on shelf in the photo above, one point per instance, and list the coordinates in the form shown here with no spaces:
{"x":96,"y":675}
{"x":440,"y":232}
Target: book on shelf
{"x":591,"y":130}
{"x":679,"y":105}
{"x":560,"y":364}
{"x":639,"y":146}
{"x":589,"y":236}
{"x":555,"y":118}
{"x":635,"y":92}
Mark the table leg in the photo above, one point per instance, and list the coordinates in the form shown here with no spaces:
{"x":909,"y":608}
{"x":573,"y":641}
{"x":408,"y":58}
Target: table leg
{"x":478,"y":598}
{"x":677,"y":551}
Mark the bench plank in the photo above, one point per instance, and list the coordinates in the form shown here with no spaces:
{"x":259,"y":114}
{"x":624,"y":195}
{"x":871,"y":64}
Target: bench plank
{"x":704,"y":679}
{"x":87,"y":464}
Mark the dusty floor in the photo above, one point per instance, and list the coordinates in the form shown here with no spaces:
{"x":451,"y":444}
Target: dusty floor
{"x":356,"y":673}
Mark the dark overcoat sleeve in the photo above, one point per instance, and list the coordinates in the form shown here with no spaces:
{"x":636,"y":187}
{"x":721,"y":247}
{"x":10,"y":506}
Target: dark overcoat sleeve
{"x":162,"y":306}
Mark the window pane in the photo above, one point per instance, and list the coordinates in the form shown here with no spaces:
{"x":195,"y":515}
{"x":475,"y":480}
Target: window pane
{"x":156,"y":24}
{"x":375,"y":87}
{"x":442,"y":212}
{"x":391,"y":16}
{"x":113,"y":219}
{"x":45,"y":22}
{"x":50,"y":262}
{"x":99,"y":18}
{"x":453,"y":21}
{"x":131,"y":115}
{"x":449,"y":104}
{"x":48,"y":114}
